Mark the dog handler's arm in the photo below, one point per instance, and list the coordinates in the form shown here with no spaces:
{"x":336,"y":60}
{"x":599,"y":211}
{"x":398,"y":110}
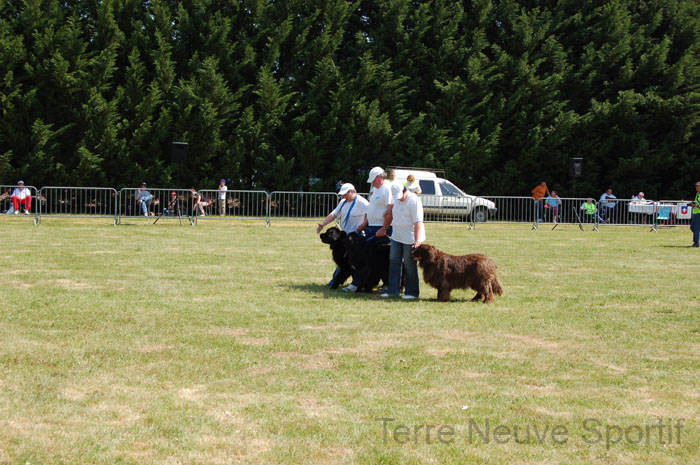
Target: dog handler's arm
{"x":417,"y":233}
{"x":325,"y":221}
{"x":388,"y":217}
{"x":363,"y":225}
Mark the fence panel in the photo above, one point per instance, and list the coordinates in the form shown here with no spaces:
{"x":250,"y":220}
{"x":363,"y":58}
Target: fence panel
{"x":78,"y":201}
{"x":7,"y":203}
{"x":503,"y":209}
{"x":301,"y":205}
{"x":624,"y":212}
{"x":234,"y":205}
{"x":158,"y":202}
{"x":568,"y":210}
{"x":673,"y":213}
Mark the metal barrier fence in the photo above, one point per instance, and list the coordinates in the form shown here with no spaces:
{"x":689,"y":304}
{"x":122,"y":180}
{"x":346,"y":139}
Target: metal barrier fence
{"x":567,"y":211}
{"x":241,"y":204}
{"x":155,"y":204}
{"x":7,"y":204}
{"x":673,"y":213}
{"x":301,"y":205}
{"x":78,"y":201}
{"x":503,"y":209}
{"x":234,"y":205}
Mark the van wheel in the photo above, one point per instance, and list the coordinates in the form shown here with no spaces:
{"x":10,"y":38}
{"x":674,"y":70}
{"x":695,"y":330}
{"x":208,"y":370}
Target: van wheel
{"x":480,"y":215}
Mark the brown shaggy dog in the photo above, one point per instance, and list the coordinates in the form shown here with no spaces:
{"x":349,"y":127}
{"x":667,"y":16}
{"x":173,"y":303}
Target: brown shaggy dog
{"x":446,"y":272}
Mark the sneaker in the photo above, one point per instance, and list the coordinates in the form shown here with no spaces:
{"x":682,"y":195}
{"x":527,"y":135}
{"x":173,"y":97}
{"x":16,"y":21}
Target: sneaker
{"x":26,"y":212}
{"x":16,"y":212}
{"x":350,"y":288}
{"x":409,"y":297}
{"x":386,"y":295}
{"x":383,"y":289}
{"x":695,"y":245}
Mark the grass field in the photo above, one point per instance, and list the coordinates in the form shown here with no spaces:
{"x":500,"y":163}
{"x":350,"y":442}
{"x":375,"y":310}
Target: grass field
{"x":221,"y":344}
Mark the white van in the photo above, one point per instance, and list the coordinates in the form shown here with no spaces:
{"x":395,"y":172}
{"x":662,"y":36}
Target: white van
{"x":443,"y":199}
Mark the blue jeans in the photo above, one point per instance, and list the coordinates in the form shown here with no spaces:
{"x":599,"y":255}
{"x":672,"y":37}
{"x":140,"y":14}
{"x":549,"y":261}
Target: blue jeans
{"x":143,"y":202}
{"x":371,"y":232}
{"x":402,"y":253}
{"x":695,"y":227}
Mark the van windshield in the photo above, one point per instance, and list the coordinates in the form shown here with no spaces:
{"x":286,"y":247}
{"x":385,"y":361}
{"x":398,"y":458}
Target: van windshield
{"x":448,"y":188}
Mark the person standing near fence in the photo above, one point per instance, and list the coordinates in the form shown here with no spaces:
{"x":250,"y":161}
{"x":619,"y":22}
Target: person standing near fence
{"x":539,"y":193}
{"x":695,"y":219}
{"x":222,"y":197}
{"x":21,"y":195}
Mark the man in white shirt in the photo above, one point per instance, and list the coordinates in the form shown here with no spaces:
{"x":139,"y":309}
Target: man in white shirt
{"x":377,"y":224}
{"x":408,"y":233}
{"x":351,"y":213}
{"x":222,"y":197}
{"x":21,"y":195}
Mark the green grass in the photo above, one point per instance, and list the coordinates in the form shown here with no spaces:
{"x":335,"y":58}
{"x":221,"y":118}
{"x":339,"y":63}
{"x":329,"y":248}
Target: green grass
{"x":221,"y":344}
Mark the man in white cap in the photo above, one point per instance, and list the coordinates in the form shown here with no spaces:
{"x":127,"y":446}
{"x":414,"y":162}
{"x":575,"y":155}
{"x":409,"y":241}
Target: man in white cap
{"x":351,"y":213}
{"x":377,"y":224}
{"x":408,"y":233}
{"x":21,"y":195}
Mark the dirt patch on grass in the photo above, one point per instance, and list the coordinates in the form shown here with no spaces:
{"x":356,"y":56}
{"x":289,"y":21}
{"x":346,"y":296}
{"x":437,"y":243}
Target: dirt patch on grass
{"x":228,"y":331}
{"x":74,"y":285}
{"x":318,"y":361}
{"x":193,"y":394}
{"x":532,"y":341}
{"x":151,"y":348}
{"x":326,"y":327}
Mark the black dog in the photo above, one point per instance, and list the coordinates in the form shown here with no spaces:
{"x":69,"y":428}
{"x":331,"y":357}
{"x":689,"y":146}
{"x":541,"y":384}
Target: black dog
{"x":338,"y":240}
{"x":371,"y":262}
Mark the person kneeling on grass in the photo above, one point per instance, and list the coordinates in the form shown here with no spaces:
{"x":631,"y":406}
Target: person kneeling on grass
{"x":408,"y":233}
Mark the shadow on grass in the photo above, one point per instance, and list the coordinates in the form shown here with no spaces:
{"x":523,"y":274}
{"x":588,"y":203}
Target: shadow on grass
{"x":322,"y":289}
{"x":325,"y":291}
{"x":677,"y":247}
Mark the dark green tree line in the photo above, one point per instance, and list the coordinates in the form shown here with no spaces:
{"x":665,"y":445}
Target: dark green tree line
{"x":300,"y":94}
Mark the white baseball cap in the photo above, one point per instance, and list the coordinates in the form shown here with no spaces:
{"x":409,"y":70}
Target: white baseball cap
{"x":374,"y":172}
{"x":345,"y":188}
{"x":397,"y":190}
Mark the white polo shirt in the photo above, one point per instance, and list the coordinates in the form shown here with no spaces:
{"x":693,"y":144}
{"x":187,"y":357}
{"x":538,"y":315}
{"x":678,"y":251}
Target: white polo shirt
{"x":357,"y":214}
{"x":222,"y":192}
{"x":406,"y":213}
{"x":21,"y":193}
{"x":378,"y":201}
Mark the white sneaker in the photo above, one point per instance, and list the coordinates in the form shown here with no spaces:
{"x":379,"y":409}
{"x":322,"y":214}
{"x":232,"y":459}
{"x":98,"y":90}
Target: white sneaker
{"x":386,"y":295}
{"x":350,"y":288}
{"x":26,"y":212}
{"x":16,"y":212}
{"x":409,"y":297}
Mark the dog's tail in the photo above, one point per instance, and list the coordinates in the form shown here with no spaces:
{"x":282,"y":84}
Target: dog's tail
{"x":496,"y":286}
